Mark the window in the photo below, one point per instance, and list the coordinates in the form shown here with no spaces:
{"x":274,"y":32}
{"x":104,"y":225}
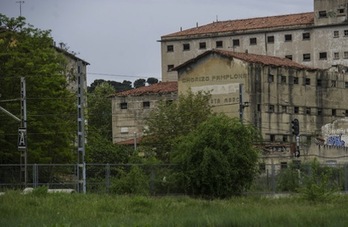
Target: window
{"x":319,"y":82}
{"x":253,"y":41}
{"x":306,"y":36}
{"x":270,"y":39}
{"x":285,"y":138}
{"x":346,"y":84}
{"x":336,"y":55}
{"x":270,"y":78}
{"x":295,"y":80}
{"x":258,"y":107}
{"x":336,"y":34}
{"x":170,"y":67}
{"x":346,"y":113}
{"x":308,"y":110}
{"x":146,"y":105}
{"x":288,"y":37}
{"x":219,"y":44}
{"x":202,"y":45}
{"x":345,"y":32}
{"x":186,"y":46}
{"x":236,"y":42}
{"x":308,"y":81}
{"x":284,"y":109}
{"x":170,"y":48}
{"x":345,"y":55}
{"x":322,"y":56}
{"x":296,"y":109}
{"x":340,"y":10}
{"x":306,"y":57}
{"x":283,"y":165}
{"x":123,"y":105}
{"x":333,"y":83}
{"x":283,"y":79}
{"x":271,"y":108}
{"x":272,"y":138}
{"x":333,"y":112}
{"x":320,"y":112}
{"x":322,"y":14}
{"x":288,"y":57}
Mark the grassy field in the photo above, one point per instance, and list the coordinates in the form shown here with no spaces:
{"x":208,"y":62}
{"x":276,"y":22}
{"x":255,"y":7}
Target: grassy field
{"x":41,"y":209}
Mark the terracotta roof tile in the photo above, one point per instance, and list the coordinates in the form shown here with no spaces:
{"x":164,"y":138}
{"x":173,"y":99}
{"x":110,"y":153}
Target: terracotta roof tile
{"x":301,"y":19}
{"x":158,"y":88}
{"x":251,"y":58}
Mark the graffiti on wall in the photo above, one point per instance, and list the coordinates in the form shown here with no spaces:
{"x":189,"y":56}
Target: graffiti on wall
{"x":335,"y":141}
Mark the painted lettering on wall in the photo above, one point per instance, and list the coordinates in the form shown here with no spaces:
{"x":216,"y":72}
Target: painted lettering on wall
{"x":226,"y":77}
{"x":335,"y":141}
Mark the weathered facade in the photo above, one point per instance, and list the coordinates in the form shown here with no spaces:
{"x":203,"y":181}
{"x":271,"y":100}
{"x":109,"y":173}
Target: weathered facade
{"x":274,"y":92}
{"x":130,"y":109}
{"x":316,"y":39}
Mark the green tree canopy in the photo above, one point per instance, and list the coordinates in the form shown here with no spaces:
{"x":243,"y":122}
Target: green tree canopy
{"x":171,"y":120}
{"x":28,"y":52}
{"x":152,"y":80}
{"x":99,"y":110}
{"x":139,"y":83}
{"x":218,"y":158}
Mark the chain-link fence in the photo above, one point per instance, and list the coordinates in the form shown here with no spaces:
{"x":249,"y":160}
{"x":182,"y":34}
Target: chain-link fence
{"x":158,"y":179}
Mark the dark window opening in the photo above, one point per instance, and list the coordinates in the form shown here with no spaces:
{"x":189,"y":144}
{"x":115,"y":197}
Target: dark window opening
{"x":270,"y":78}
{"x":322,"y":56}
{"x":322,"y":14}
{"x":258,"y":107}
{"x":345,"y":32}
{"x":336,"y":55}
{"x":306,"y":57}
{"x":334,"y":112}
{"x":295,"y":80}
{"x":146,"y":105}
{"x":170,"y":67}
{"x":253,"y":41}
{"x":283,"y":79}
{"x":340,"y":10}
{"x":308,"y":81}
{"x":219,"y":44}
{"x":236,"y":42}
{"x":306,"y":36}
{"x":271,"y":108}
{"x":270,"y":39}
{"x":308,"y":110}
{"x":285,"y":138}
{"x":170,"y":48}
{"x":296,"y":109}
{"x":202,"y":45}
{"x":288,"y":37}
{"x":283,"y":165}
{"x":346,"y":113}
{"x":272,"y":138}
{"x":319,"y":83}
{"x":186,"y":46}
{"x":333,"y":83}
{"x":336,"y":34}
{"x":320,"y":112}
{"x":123,"y":105}
{"x":346,"y":84}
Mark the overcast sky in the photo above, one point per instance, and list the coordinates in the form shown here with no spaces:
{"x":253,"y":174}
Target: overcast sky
{"x":119,"y":37}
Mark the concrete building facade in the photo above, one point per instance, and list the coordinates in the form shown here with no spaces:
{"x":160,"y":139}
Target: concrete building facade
{"x":131,"y":108}
{"x":269,"y":92}
{"x":316,"y":39}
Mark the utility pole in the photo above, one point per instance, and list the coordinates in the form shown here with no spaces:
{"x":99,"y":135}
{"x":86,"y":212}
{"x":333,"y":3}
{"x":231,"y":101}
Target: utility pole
{"x":81,"y":170}
{"x":22,"y":133}
{"x":20,"y":7}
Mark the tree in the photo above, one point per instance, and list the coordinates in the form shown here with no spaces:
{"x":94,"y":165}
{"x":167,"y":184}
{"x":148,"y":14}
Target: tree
{"x":51,"y":112}
{"x":139,"y":83}
{"x":152,"y":80}
{"x":218,"y":158}
{"x":125,"y":85}
{"x":99,"y":110}
{"x":169,"y":121}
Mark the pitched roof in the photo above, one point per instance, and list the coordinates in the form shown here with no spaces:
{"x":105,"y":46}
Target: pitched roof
{"x":271,"y":22}
{"x":251,"y":58}
{"x":158,"y":88}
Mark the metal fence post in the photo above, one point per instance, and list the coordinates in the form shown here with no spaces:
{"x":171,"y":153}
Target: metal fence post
{"x":107,"y":177}
{"x":273,"y":178}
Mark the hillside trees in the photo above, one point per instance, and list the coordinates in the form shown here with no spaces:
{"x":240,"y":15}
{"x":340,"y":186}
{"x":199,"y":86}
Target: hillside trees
{"x":28,"y":52}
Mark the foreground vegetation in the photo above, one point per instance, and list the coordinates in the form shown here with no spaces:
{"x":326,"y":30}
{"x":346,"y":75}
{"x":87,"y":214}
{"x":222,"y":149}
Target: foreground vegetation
{"x":42,"y":209}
